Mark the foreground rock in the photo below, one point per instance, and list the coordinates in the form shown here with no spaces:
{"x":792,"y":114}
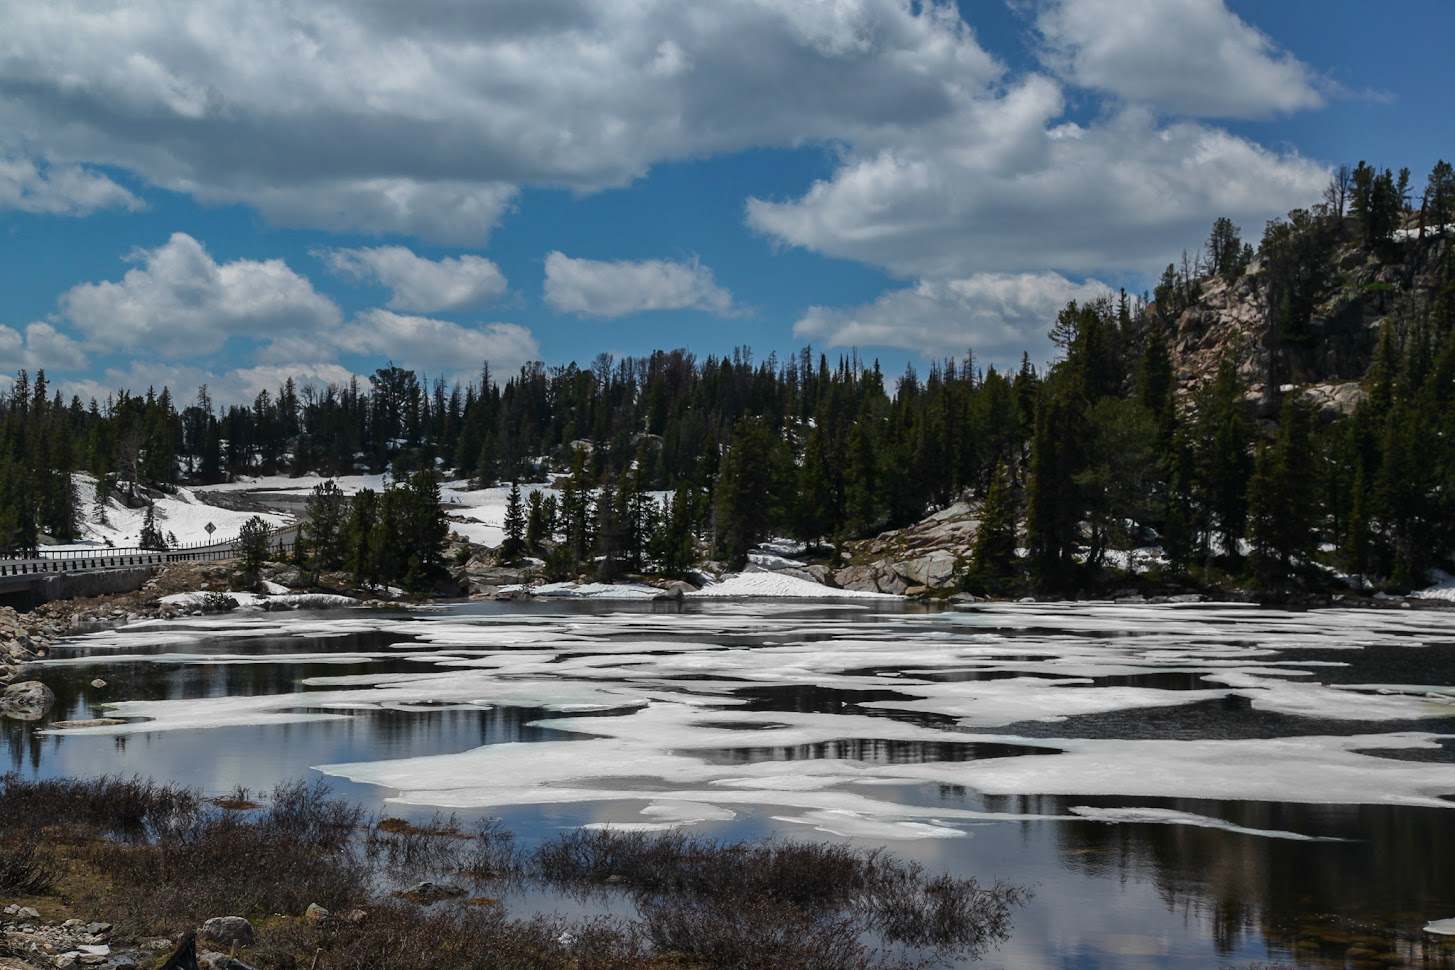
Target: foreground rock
{"x":26,"y":701}
{"x":228,"y":930}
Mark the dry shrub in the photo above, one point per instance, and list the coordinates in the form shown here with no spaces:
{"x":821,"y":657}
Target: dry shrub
{"x":299,"y":850}
{"x":404,"y":848}
{"x":775,"y":904}
{"x":114,"y":807}
{"x":402,"y":937}
{"x":25,"y":869}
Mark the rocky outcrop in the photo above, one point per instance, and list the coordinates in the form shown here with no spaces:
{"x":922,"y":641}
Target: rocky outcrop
{"x":23,"y":638}
{"x":1360,"y":293}
{"x":875,"y":577}
{"x":484,"y":579}
{"x":925,"y":557}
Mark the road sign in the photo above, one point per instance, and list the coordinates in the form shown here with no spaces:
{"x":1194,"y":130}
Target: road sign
{"x":210,"y":528}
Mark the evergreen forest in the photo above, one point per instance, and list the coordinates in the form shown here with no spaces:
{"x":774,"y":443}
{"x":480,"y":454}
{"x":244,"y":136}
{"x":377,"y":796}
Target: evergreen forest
{"x":1126,"y":439}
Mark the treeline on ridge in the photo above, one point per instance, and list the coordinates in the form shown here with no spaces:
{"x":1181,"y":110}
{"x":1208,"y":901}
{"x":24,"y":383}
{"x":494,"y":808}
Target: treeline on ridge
{"x":1108,"y":448}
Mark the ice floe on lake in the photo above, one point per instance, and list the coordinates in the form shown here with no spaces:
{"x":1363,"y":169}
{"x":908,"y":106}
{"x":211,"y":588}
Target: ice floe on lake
{"x":820,"y":714}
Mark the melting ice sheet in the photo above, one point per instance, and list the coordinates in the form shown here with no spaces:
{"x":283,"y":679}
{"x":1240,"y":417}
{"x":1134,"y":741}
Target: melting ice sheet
{"x":820,"y":715}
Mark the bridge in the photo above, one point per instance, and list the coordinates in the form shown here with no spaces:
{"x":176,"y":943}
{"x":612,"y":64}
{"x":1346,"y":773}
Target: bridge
{"x":56,"y":574}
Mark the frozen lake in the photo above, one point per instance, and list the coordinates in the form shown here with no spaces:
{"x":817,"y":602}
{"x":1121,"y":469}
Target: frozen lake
{"x":1193,"y":785}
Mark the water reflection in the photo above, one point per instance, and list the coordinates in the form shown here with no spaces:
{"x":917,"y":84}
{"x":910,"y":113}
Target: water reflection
{"x":1313,"y":901}
{"x":877,"y":751}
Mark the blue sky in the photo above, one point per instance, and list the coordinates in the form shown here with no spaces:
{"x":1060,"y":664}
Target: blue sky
{"x":200,"y":191}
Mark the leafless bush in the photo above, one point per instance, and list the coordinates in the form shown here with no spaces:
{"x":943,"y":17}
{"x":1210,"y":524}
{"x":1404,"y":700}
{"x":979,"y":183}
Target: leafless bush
{"x":25,"y":870}
{"x":492,"y":854}
{"x":404,"y":847}
{"x":116,"y":807}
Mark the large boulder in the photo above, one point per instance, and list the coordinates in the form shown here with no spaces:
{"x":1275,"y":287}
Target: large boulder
{"x":228,"y":930}
{"x":26,"y":701}
{"x":936,"y":570}
{"x":875,"y":577}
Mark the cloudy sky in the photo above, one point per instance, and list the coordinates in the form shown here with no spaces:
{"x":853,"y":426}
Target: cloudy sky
{"x":232,"y":191}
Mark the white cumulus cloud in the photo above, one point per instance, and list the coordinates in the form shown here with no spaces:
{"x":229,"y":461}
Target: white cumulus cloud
{"x":40,"y":347}
{"x":425,"y":118}
{"x":417,"y":284}
{"x":180,"y":302}
{"x":428,"y":345}
{"x":1014,"y":189}
{"x":609,"y":289}
{"x":68,"y":190}
{"x":996,"y":315}
{"x":1186,"y":57}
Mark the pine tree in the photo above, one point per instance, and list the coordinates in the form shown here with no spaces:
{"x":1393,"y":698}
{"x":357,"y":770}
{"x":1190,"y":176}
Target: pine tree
{"x":576,"y":508}
{"x":747,"y":501}
{"x":323,"y":529}
{"x":1053,"y":510}
{"x":673,"y":543}
{"x":515,"y":525}
{"x":1223,"y":464}
{"x":253,"y":548}
{"x":993,"y":562}
{"x":486,"y":465}
{"x":151,"y":536}
{"x":817,"y":514}
{"x":538,"y":528}
{"x":636,"y":517}
{"x":422,"y":531}
{"x":861,"y":480}
{"x":1282,"y":498}
{"x":361,"y":558}
{"x":606,"y":528}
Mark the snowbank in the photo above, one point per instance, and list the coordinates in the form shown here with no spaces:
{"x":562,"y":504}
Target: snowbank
{"x":776,"y":586}
{"x":179,"y":516}
{"x":1443,"y":588}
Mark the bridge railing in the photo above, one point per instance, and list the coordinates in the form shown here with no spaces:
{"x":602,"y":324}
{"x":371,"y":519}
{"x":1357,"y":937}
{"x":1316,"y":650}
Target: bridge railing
{"x":280,"y":540}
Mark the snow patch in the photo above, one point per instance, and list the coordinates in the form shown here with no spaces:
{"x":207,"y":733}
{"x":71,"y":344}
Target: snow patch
{"x":775,"y":586}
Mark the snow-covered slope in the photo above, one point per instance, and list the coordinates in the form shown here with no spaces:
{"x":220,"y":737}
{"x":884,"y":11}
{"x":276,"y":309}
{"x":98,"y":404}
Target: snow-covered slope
{"x":181,"y":516}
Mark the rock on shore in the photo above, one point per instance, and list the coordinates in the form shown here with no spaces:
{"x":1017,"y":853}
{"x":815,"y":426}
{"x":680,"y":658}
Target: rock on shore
{"x":22,"y":638}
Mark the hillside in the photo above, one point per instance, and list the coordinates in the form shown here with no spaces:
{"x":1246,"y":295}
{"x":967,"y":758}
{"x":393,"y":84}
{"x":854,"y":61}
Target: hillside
{"x":1325,"y":343}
